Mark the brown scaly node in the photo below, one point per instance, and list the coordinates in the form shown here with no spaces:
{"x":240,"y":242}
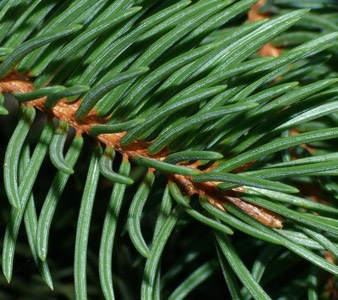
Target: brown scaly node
{"x":219,"y":199}
{"x":15,"y":82}
{"x":63,"y":110}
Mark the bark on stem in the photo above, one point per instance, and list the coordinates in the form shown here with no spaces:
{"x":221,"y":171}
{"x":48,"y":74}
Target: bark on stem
{"x":63,"y":110}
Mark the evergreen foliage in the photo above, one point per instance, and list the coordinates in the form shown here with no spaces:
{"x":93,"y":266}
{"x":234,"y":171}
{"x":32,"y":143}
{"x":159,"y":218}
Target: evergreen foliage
{"x":155,"y":154}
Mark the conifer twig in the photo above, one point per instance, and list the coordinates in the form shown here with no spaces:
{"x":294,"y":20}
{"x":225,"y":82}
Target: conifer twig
{"x":15,"y":82}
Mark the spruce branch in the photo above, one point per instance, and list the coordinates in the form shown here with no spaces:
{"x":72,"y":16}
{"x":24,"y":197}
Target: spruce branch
{"x":194,"y":131}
